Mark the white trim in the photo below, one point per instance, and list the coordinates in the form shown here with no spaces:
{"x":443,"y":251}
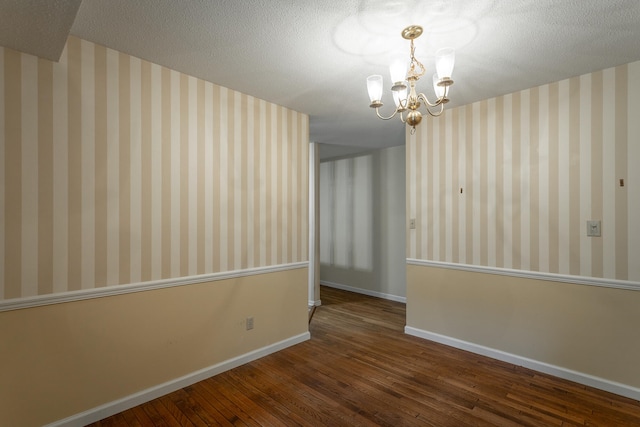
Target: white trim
{"x":315,"y":303}
{"x":536,"y":275}
{"x":376,"y":294}
{"x":62,"y":297}
{"x":117,"y":406}
{"x":313,"y":200}
{"x":560,"y":372}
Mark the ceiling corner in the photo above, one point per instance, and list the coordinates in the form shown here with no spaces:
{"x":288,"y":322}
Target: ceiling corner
{"x":37,"y":27}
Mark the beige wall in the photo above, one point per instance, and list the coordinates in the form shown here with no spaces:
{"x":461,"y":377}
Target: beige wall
{"x":533,"y":167}
{"x":115,"y":170}
{"x":588,"y":329}
{"x":59,"y":360}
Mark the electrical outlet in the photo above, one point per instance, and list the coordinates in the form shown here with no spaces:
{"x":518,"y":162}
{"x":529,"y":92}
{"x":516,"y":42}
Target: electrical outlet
{"x":412,"y":223}
{"x":593,"y":228}
{"x":249,"y":323}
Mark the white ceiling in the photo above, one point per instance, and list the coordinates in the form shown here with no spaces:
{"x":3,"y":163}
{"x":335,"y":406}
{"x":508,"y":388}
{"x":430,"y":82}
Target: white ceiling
{"x":314,"y":56}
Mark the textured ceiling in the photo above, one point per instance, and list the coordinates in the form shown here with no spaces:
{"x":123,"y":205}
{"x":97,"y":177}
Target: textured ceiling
{"x":314,"y":56}
{"x":37,"y":27}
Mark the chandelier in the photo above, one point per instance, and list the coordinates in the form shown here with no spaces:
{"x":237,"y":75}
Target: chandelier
{"x":407,"y":107}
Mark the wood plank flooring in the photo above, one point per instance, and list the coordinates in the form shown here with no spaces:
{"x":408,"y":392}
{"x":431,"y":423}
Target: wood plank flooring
{"x":360,"y":369}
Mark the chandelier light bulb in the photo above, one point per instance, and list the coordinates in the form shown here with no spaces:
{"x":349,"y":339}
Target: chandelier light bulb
{"x":445,"y":59}
{"x":400,"y":95}
{"x":398,"y":71}
{"x":374,"y":86}
{"x":439,"y":90}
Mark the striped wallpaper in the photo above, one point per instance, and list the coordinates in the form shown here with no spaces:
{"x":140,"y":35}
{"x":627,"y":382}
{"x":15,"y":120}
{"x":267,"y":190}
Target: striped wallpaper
{"x":114,"y":170}
{"x":510,"y":182}
{"x":346,"y":212}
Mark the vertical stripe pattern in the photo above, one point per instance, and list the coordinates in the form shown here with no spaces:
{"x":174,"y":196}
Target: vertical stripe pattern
{"x":114,"y":170}
{"x":511,"y":182}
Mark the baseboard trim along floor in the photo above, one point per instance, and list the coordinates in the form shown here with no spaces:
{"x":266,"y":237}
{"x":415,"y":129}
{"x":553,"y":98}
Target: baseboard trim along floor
{"x":376,"y":294}
{"x":117,"y":406}
{"x":567,"y":374}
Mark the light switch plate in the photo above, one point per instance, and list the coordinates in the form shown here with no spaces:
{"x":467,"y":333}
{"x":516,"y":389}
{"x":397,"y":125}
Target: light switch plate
{"x":593,"y":228}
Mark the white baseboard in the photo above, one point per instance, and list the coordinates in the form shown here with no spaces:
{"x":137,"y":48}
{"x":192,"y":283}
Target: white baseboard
{"x":364,"y":291}
{"x":112,"y":408}
{"x":315,"y":303}
{"x":567,"y":374}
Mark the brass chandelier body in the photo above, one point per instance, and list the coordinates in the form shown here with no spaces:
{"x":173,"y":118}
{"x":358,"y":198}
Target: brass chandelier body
{"x":408,"y":105}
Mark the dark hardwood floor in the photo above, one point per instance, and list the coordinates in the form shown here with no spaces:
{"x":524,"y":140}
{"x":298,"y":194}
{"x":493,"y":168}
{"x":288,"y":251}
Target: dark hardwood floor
{"x":359,"y":368}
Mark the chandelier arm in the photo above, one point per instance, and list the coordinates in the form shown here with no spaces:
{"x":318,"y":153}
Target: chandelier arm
{"x":438,"y":101}
{"x":437,"y":113}
{"x":386,"y":118}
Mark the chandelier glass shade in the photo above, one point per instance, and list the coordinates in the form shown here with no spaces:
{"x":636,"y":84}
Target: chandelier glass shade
{"x":404,"y":77}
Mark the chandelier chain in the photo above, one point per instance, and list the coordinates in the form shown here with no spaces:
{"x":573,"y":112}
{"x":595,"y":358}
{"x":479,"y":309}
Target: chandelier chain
{"x":413,"y":74}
